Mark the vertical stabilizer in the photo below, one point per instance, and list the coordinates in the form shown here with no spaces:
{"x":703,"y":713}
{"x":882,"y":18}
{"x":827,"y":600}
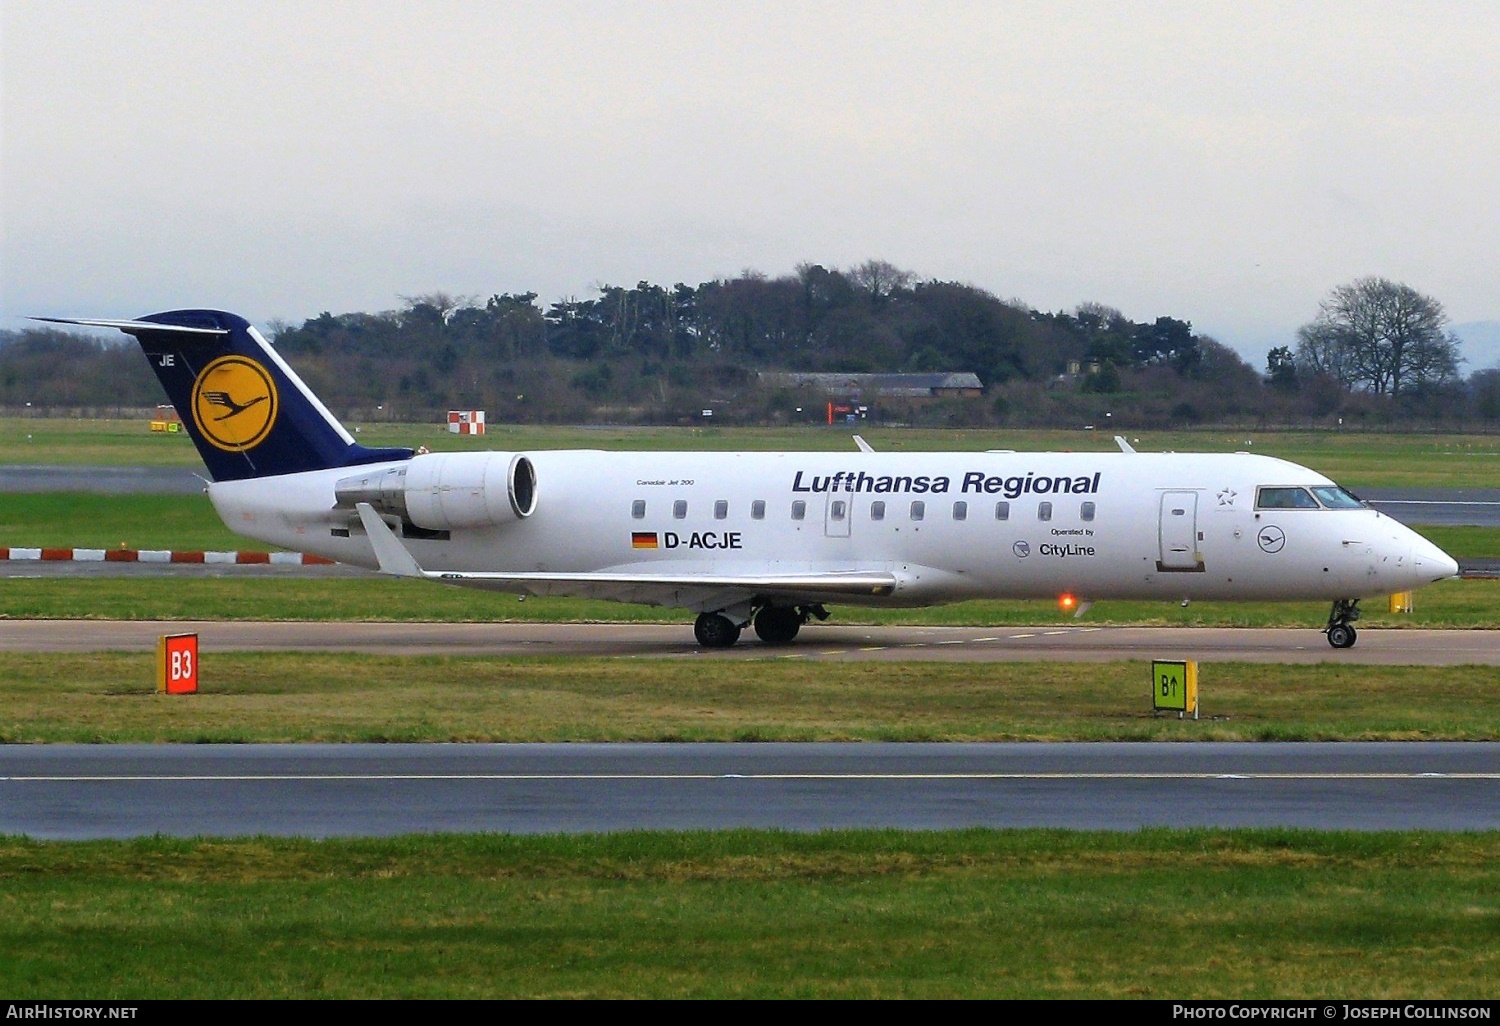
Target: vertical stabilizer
{"x":247,"y":411}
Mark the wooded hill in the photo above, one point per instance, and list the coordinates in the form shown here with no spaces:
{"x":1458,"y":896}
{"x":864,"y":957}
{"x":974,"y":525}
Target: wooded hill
{"x":652,"y":354}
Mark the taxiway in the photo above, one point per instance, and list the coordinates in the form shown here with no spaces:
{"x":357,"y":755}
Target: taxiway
{"x":1076,"y":643}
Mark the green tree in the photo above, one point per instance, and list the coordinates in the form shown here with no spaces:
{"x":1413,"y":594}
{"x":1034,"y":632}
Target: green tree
{"x":1281,"y":369}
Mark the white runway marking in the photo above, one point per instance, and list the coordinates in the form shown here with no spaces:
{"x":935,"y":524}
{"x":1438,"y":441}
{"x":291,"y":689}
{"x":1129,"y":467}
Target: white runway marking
{"x":335,"y":777}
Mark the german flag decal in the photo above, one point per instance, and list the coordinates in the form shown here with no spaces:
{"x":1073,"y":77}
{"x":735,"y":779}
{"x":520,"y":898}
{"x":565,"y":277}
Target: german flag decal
{"x":643,"y":540}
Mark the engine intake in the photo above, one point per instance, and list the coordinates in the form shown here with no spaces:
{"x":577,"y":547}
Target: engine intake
{"x":441,"y":491}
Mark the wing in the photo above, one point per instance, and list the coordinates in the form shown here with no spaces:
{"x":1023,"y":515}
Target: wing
{"x":688,"y":590}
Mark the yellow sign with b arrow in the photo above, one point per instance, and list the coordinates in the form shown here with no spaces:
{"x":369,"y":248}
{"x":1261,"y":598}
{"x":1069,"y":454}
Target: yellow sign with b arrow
{"x":1174,"y":686}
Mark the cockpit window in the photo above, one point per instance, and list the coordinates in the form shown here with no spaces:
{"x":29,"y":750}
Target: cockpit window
{"x":1285,"y":498}
{"x":1335,"y":497}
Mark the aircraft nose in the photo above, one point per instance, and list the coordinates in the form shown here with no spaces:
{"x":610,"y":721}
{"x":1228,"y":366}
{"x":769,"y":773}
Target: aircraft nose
{"x":1432,"y":563}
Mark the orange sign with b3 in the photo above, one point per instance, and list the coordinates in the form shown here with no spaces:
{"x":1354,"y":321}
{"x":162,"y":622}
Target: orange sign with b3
{"x":177,"y":664}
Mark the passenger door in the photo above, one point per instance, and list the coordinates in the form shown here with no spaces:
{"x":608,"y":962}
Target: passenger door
{"x":1177,"y":533}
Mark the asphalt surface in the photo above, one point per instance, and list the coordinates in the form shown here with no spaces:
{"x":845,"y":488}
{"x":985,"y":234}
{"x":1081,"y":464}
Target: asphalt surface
{"x":819,"y":642}
{"x":1441,"y":506}
{"x":83,"y":791}
{"x":18,"y":477}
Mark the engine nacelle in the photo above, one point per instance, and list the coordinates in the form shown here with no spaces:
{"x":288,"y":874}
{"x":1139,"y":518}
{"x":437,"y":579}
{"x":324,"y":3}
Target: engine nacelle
{"x":443,"y":490}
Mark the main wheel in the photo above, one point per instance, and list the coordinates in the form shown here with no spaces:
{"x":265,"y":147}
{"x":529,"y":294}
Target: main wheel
{"x":714,"y":630}
{"x":777,"y":625}
{"x":1341,"y":635}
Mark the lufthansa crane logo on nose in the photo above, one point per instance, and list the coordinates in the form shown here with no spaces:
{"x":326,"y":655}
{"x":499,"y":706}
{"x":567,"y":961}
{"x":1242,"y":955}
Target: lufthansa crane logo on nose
{"x":234,"y":403}
{"x":1271,"y":538}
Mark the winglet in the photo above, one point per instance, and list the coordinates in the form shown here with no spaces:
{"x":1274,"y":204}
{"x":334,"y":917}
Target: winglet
{"x":393,"y":556}
{"x":864,"y":446}
{"x":1124,"y":445}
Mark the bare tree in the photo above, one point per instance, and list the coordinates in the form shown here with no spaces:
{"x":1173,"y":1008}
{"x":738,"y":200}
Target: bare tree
{"x":1321,"y":353}
{"x":880,"y":278}
{"x":1381,"y":336}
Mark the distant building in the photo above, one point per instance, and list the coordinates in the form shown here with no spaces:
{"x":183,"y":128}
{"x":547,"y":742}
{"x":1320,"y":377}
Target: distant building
{"x":880,"y":386}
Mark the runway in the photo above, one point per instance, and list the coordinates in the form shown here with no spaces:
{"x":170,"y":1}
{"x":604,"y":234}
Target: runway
{"x":1072,"y":643}
{"x":85,"y":791}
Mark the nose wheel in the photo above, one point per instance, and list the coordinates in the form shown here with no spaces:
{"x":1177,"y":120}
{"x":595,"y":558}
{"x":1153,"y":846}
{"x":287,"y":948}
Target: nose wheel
{"x":1340,"y":630}
{"x":1342,"y":636}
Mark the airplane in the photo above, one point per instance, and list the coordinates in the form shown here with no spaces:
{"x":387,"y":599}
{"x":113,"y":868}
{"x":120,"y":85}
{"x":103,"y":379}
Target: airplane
{"x":768,"y":539}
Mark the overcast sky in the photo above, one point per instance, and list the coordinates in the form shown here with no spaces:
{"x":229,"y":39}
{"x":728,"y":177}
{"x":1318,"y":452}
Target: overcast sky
{"x":1223,"y":163}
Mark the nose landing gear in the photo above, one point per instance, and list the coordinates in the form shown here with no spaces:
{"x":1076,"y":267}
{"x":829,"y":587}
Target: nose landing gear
{"x":1339,"y":630}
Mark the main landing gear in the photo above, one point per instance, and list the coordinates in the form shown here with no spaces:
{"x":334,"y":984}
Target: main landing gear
{"x":715,"y":630}
{"x":1339,"y":630}
{"x":774,"y":625}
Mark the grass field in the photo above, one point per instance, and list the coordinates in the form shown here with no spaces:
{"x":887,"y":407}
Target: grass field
{"x":91,"y":521}
{"x":1450,"y":604}
{"x":1354,"y":459}
{"x":306,"y":696}
{"x":1157,"y":914}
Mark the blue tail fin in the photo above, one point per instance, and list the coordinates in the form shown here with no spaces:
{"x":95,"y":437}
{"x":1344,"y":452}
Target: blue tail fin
{"x":245,"y":408}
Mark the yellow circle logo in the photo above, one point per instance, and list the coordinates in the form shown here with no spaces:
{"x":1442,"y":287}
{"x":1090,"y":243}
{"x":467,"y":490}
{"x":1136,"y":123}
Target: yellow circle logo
{"x":234,"y":403}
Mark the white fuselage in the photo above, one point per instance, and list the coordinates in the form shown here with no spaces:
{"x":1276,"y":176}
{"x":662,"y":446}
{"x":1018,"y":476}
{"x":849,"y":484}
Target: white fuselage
{"x":947,"y":526}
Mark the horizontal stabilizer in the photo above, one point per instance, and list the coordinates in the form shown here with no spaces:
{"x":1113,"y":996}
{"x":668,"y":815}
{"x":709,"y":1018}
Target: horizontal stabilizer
{"x":136,"y":327}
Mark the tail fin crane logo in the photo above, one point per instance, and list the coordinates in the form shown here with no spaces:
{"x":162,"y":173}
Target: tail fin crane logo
{"x":234,"y":403}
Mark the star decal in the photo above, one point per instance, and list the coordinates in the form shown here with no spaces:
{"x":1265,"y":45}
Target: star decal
{"x":1226,"y":496}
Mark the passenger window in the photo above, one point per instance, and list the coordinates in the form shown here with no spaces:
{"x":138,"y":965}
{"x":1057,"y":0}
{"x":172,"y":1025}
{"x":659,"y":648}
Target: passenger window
{"x":721,"y":509}
{"x":638,"y":509}
{"x":758,"y":509}
{"x":1002,"y":511}
{"x":918,"y":510}
{"x":837,"y":508}
{"x":679,"y":509}
{"x":960,"y":510}
{"x":1086,"y":512}
{"x":877,"y":510}
{"x":799,"y":510}
{"x":1044,"y":511}
{"x":1285,"y":498}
